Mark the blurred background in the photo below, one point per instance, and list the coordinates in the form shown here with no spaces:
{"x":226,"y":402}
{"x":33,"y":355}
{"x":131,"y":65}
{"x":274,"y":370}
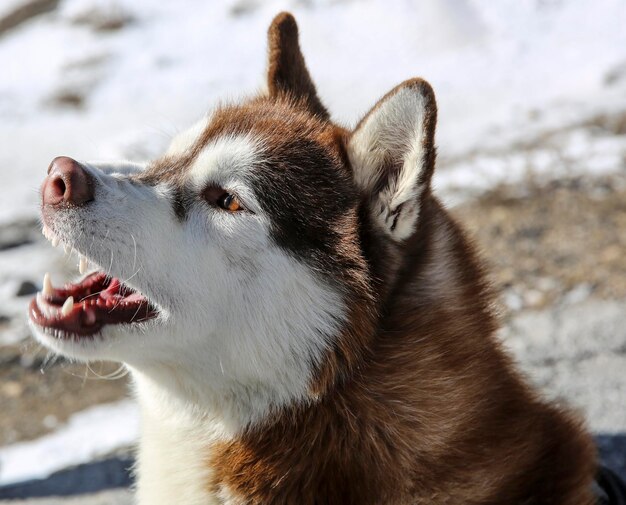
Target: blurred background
{"x":532,"y":144}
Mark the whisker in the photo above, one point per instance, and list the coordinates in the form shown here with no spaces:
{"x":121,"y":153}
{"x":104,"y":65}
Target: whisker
{"x":129,"y":278}
{"x":48,"y":362}
{"x":111,"y":376}
{"x":118,"y":373}
{"x":135,"y":253}
{"x":135,"y":314}
{"x":124,"y":282}
{"x":103,"y":290}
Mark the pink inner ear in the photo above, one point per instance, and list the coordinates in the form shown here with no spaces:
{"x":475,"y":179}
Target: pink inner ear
{"x":392,"y":154}
{"x":393,"y":145}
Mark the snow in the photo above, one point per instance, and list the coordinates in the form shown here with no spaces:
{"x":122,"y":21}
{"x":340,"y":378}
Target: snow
{"x":516,"y":83}
{"x":88,"y":435}
{"x":502,"y":71}
{"x":570,"y":153}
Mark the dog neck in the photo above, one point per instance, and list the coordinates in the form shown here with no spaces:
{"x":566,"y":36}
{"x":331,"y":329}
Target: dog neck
{"x":174,"y":447}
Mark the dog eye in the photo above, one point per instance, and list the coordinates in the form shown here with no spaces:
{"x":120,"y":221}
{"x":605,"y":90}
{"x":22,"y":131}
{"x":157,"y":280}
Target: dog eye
{"x":229,"y":202}
{"x":222,"y":199}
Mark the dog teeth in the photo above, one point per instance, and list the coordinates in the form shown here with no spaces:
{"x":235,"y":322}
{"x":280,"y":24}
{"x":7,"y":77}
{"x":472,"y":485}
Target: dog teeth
{"x":67,"y":249}
{"x":67,"y":306}
{"x":46,"y":308}
{"x":47,"y":285}
{"x":82,"y":264}
{"x":48,"y":234}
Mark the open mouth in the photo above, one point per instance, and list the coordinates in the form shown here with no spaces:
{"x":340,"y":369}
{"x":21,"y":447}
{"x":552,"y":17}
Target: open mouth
{"x":81,"y":309}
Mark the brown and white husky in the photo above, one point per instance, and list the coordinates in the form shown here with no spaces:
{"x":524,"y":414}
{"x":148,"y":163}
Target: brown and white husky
{"x":303,"y":320}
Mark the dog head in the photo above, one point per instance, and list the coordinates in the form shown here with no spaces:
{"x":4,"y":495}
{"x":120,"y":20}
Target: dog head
{"x":247,"y":265}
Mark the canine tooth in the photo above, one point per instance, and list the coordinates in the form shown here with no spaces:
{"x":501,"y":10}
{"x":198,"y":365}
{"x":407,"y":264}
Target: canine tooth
{"x":82,"y":264}
{"x":67,"y":306}
{"x":55,"y":241}
{"x":47,"y":285}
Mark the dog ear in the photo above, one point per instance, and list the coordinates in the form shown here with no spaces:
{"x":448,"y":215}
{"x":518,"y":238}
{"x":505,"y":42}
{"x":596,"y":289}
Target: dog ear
{"x":392,"y":153}
{"x":287,"y":72}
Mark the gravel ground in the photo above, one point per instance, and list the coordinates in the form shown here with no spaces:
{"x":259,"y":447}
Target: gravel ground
{"x":565,"y":240}
{"x":38,"y":397}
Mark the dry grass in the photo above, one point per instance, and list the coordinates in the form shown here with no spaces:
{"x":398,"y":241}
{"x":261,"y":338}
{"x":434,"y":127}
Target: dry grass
{"x":545,"y":241}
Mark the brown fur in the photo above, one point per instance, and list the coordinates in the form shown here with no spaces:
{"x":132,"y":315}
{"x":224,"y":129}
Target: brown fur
{"x":435,"y":414}
{"x":287,"y":72}
{"x":417,"y":403}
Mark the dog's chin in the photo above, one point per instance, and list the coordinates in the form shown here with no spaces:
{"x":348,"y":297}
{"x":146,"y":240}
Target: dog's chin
{"x":97,"y":348}
{"x":111,"y":343}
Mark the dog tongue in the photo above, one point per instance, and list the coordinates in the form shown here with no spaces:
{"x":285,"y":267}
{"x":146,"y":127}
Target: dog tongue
{"x":83,"y":308}
{"x":116,"y":291}
{"x":134,"y":297}
{"x":113,"y":291}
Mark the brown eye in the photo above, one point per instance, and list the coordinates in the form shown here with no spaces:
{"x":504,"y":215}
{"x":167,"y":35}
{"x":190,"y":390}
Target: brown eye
{"x":229,"y":202}
{"x":221,"y":198}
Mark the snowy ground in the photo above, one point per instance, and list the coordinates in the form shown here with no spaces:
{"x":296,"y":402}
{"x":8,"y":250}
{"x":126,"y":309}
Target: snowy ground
{"x":116,"y":425}
{"x":503,"y":71}
{"x":524,"y":89}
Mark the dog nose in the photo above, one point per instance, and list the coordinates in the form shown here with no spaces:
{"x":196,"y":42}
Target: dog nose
{"x":67,"y":183}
